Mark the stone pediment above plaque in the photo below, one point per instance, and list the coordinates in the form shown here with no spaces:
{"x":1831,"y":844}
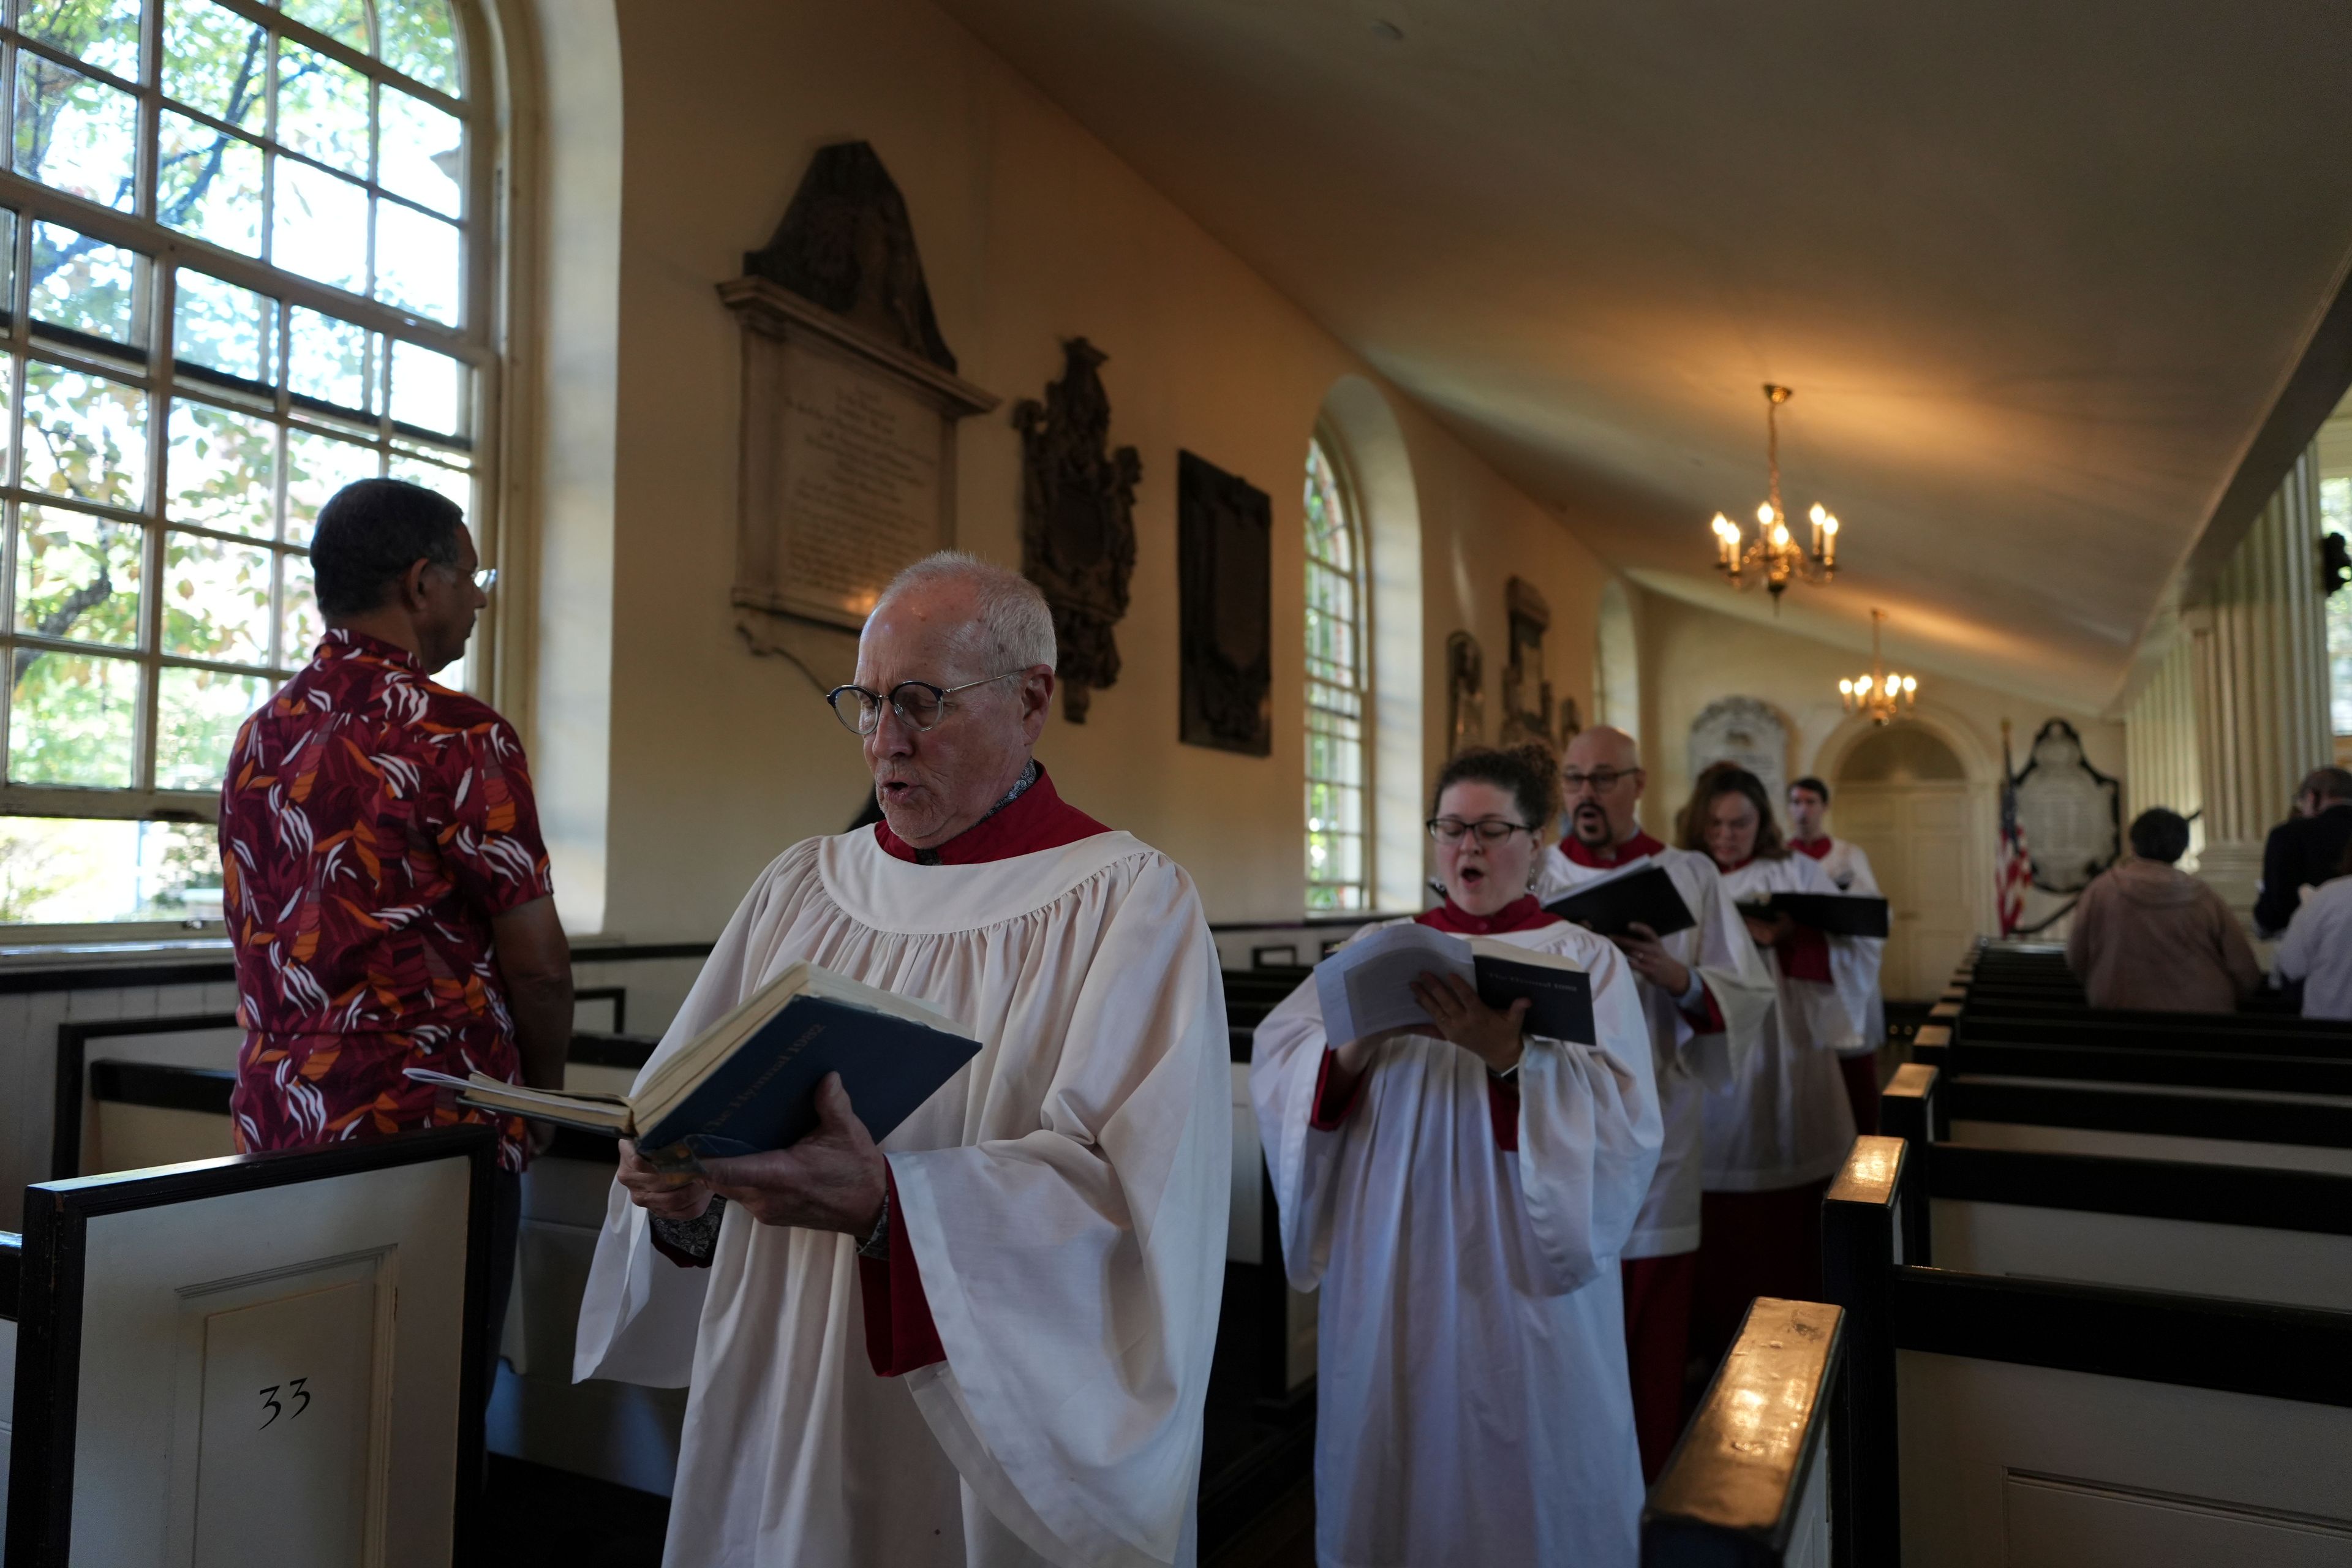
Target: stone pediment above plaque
{"x":850,"y":403}
{"x":1743,"y":731}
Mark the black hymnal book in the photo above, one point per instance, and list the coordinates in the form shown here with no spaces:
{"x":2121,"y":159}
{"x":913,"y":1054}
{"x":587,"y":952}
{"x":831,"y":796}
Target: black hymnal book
{"x":1611,"y":906}
{"x":1366,"y":987}
{"x":748,"y":1083}
{"x":1833,"y":914}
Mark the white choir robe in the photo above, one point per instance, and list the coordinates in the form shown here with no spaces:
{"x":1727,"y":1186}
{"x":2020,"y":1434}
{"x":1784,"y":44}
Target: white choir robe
{"x":1848,"y":865}
{"x":1066,"y":1198}
{"x":1471,"y":1394}
{"x":1686,"y":1059}
{"x":1785,"y":1119}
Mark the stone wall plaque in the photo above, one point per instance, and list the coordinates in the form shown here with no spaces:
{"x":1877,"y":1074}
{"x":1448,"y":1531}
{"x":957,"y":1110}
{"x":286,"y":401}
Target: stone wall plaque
{"x":1224,"y":541}
{"x":1465,"y":694}
{"x":850,"y":402}
{"x":1077,"y":521}
{"x":1526,"y":694}
{"x":2072,"y":813}
{"x":1743,"y":731}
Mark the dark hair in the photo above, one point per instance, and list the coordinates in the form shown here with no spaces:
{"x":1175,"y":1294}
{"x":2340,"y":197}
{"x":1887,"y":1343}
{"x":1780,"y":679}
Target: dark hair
{"x":2327,"y":783}
{"x":1729,"y":778}
{"x":2157,"y":834}
{"x":372,"y":531}
{"x":1530,"y":772}
{"x":1811,"y":782}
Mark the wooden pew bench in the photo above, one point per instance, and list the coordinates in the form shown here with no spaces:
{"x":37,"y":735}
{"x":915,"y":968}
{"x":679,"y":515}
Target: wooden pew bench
{"x":2035,"y":1423}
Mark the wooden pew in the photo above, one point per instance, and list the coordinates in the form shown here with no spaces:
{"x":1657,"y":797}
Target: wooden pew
{"x":2036,"y":1422}
{"x":1749,"y":1481}
{"x":2266,"y":1064}
{"x":2253,"y":1231}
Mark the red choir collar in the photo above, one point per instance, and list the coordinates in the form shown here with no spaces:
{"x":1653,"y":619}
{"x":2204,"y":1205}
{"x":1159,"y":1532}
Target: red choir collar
{"x":1727,"y":870}
{"x":1037,"y":819}
{"x":1520,"y":914}
{"x":1819,"y":848}
{"x":1639,"y":846}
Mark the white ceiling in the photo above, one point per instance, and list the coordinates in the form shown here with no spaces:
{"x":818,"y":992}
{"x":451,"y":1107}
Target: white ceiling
{"x":2036,"y":271}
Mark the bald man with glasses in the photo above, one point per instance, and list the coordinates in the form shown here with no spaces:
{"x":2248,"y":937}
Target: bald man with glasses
{"x":986,"y":1341}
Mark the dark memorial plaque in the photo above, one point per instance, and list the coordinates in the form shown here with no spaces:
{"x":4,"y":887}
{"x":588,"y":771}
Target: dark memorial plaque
{"x":1077,"y":521}
{"x":1225,"y":543}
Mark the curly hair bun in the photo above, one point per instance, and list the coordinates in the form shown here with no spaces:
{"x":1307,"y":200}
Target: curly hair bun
{"x":1530,"y":771}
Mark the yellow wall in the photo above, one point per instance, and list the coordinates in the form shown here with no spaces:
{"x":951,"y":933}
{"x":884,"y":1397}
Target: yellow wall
{"x":1030,"y":231}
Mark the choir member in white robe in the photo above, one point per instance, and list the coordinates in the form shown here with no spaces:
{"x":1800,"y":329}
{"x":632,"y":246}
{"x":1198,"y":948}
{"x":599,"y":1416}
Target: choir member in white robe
{"x":1459,"y":1194}
{"x":1847,"y":864}
{"x":988,"y":1341}
{"x":1776,"y":1134}
{"x":1704,"y":995}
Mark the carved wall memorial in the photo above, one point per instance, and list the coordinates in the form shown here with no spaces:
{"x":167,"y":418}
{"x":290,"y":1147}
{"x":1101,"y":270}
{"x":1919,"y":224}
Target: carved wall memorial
{"x":1465,"y":694}
{"x":850,"y":403}
{"x":1077,"y":524}
{"x":1743,"y":731}
{"x":1225,"y":543}
{"x":1526,"y":695}
{"x":2072,"y":813}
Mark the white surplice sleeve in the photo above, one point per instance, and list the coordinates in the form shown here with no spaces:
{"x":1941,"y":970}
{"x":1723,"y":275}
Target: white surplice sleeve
{"x":640,"y":1312}
{"x":1286,"y":1069}
{"x":1736,"y":982}
{"x":1589,"y":1129}
{"x":1838,"y":1015}
{"x":1864,"y":880}
{"x":1074,"y":1273}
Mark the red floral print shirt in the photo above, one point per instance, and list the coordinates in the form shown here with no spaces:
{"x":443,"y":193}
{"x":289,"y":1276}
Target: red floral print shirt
{"x":371,"y":826}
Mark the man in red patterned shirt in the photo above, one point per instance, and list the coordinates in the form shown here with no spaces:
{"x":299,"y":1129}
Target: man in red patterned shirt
{"x":385,"y":883}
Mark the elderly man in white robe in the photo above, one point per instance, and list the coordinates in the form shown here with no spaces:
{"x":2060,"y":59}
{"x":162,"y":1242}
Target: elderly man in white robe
{"x":1706,"y":996}
{"x":986,"y":1342}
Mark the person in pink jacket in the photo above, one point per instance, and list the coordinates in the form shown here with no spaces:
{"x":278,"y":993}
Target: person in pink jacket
{"x":2150,"y":936}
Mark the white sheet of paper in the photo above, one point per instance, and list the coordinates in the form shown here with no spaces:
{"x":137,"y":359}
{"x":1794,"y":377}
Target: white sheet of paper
{"x":1366,"y":987}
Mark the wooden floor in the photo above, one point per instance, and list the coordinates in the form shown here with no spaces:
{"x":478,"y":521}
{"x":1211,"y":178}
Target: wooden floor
{"x":536,"y":1517}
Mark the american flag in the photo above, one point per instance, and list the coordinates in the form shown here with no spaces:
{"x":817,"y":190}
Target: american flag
{"x":2016,"y":865}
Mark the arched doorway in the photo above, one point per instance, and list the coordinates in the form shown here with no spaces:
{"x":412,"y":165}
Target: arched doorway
{"x":1901,"y":793}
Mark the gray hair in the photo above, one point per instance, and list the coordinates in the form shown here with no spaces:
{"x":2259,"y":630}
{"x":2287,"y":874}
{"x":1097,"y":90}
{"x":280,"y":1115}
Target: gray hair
{"x":1016,"y":625}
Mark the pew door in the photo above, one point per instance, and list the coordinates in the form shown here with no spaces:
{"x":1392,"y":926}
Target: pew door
{"x":276,"y":1358}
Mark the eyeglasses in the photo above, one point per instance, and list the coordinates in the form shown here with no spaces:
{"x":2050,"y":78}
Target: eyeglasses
{"x":1490,"y":829}
{"x":483,"y":579}
{"x":1602,"y":780}
{"x":919,"y":704}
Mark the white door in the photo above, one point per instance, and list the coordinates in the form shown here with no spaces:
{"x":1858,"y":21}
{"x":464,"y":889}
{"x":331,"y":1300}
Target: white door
{"x":1917,"y":836}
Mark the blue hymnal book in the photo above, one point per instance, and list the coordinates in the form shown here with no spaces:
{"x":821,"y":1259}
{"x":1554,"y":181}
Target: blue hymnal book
{"x":748,"y":1083}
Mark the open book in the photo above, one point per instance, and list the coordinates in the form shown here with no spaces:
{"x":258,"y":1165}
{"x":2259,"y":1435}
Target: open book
{"x":748,"y":1083}
{"x":1366,"y":987}
{"x":1612,"y":905}
{"x":1834,"y":914}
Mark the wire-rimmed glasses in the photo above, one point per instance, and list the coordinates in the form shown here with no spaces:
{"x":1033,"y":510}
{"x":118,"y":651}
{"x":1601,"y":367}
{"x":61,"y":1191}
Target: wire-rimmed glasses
{"x":919,"y":704}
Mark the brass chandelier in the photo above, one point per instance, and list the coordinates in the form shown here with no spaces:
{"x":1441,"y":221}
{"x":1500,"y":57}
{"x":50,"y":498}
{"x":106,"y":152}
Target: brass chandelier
{"x":1880,"y":696}
{"x":1774,"y":557}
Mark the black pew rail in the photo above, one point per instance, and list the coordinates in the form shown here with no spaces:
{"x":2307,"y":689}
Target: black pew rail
{"x":2250,"y":1229}
{"x":2004,"y":1420}
{"x":1750,"y":1481}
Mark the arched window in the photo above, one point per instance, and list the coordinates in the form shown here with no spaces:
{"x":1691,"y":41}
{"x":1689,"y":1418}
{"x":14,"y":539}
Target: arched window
{"x":1338,"y":693}
{"x":244,"y":260}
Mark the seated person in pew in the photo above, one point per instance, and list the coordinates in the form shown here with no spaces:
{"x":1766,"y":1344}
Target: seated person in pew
{"x":1459,"y":1193}
{"x":988,"y":1343}
{"x":1705,"y":996}
{"x":1776,"y":1133}
{"x":384,"y":874}
{"x":2306,"y":851}
{"x":2317,"y":948}
{"x":2148,"y":936}
{"x":1848,"y":866}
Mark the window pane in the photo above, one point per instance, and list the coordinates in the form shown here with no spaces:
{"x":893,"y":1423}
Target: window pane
{"x":2336,"y":517}
{"x":316,"y":468}
{"x":427,"y":389}
{"x":197,"y":713}
{"x":72,"y":871}
{"x":7,"y":262}
{"x":223,"y":469}
{"x":75,"y":134}
{"x":318,"y":227}
{"x":86,"y":285}
{"x":70,"y":718}
{"x":103,"y":32}
{"x":209,"y":184}
{"x":345,"y":21}
{"x":85,"y":437}
{"x":419,"y":41}
{"x":216,"y":600}
{"x":417,"y":262}
{"x":328,"y":360}
{"x":223,"y":327}
{"x":322,"y":108}
{"x":78,"y":575}
{"x":422,"y":151}
{"x":304,"y":627}
{"x":214,"y":60}
{"x":450,"y":482}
